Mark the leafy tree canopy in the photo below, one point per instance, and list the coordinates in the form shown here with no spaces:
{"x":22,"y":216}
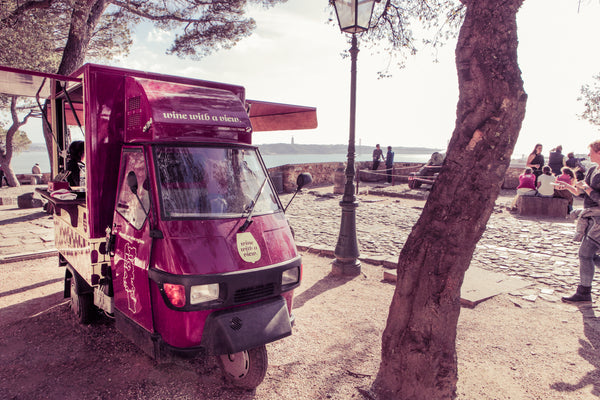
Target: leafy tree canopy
{"x":400,"y":28}
{"x":20,"y":141}
{"x":37,"y":33}
{"x":590,"y":95}
{"x":33,"y":34}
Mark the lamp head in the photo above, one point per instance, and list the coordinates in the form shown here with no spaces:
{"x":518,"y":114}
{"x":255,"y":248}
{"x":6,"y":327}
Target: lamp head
{"x":354,"y":16}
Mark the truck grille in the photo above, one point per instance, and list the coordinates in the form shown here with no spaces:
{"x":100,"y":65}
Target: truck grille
{"x":253,"y":293}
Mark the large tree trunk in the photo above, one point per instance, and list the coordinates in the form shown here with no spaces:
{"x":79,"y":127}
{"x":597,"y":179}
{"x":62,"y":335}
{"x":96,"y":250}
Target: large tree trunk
{"x":9,"y":174}
{"x":85,"y":17}
{"x":418,"y":359}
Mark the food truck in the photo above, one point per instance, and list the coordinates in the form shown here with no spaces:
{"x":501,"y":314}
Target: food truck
{"x":176,"y":231}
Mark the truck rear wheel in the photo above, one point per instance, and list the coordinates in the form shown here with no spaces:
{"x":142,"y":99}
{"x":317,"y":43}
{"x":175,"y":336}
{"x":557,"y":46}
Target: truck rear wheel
{"x":82,"y":304}
{"x":245,"y":369}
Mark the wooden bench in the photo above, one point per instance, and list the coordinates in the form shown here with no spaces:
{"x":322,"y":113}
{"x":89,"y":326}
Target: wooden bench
{"x":554,"y":207}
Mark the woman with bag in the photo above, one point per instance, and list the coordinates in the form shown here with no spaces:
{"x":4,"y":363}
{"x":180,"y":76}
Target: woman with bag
{"x":589,"y":221}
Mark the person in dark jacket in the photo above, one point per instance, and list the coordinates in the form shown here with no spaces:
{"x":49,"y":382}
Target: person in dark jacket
{"x":576,"y":165}
{"x":389,"y":164}
{"x":377,"y":156}
{"x":556,"y":160}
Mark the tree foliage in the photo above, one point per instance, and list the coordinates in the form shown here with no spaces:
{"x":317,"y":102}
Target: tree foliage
{"x":34,"y":37}
{"x":76,"y":30}
{"x":401,"y":28}
{"x":590,"y":95}
{"x":20,"y":141}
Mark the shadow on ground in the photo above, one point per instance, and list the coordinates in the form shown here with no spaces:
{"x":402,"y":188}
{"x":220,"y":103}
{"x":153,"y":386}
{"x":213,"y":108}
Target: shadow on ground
{"x":590,"y":351}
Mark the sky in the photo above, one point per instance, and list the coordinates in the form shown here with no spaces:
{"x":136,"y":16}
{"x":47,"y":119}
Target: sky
{"x":294,"y":57}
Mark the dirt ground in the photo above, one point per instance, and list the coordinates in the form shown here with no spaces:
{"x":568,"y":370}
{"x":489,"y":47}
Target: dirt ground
{"x":508,"y":348}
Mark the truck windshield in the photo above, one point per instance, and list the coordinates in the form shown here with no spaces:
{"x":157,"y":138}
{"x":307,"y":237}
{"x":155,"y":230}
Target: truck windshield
{"x":211,"y":182}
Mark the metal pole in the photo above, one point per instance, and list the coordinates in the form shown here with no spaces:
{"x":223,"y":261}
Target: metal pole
{"x":346,"y":251}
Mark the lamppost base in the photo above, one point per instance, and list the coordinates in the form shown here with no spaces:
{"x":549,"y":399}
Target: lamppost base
{"x":346,"y":268}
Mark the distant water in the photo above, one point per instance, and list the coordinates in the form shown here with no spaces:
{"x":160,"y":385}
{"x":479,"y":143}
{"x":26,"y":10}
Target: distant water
{"x":283,"y":159}
{"x":23,"y":162}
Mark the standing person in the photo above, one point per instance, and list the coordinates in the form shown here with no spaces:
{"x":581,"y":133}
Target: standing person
{"x":545,"y":181}
{"x":590,"y":221}
{"x":377,"y":156}
{"x":576,"y":165}
{"x":556,"y":160}
{"x":389,"y":164}
{"x":535,"y":161}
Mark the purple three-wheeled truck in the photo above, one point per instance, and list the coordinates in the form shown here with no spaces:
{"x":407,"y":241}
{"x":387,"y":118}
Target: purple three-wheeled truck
{"x":176,"y":231}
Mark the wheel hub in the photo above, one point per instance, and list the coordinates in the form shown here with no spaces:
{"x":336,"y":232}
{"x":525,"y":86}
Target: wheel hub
{"x":237,"y":365}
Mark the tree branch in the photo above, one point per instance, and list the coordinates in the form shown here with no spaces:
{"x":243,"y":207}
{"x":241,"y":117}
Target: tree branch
{"x":29,"y":5}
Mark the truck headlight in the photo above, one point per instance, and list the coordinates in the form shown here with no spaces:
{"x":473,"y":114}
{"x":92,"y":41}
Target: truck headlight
{"x":290,"y":276}
{"x":204,"y":293}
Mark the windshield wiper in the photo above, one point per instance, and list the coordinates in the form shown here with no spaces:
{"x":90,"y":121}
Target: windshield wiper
{"x":250,"y":208}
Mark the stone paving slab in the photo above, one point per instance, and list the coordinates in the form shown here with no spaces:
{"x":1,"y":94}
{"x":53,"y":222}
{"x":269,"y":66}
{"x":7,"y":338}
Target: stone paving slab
{"x":479,"y":285}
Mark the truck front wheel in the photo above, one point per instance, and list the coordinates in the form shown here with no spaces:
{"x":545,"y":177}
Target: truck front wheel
{"x":245,"y":369}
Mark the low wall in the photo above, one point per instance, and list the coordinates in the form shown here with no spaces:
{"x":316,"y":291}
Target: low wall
{"x":28,"y":179}
{"x":323,"y":174}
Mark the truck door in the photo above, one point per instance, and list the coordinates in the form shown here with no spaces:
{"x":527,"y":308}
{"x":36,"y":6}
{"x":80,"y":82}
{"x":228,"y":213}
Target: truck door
{"x":131,"y":227}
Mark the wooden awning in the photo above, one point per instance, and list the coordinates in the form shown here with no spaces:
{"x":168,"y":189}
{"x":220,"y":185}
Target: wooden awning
{"x":19,"y":82}
{"x":267,"y":116}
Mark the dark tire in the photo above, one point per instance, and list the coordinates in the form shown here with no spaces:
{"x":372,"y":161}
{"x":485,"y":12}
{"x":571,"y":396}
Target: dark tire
{"x":246,"y":369}
{"x":413,"y":184}
{"x":82,"y":305}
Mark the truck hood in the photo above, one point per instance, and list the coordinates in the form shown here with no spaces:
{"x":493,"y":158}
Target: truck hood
{"x":216,"y":246}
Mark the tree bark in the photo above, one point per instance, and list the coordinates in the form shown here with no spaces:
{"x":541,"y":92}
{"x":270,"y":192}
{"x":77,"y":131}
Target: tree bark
{"x":418,"y":359}
{"x":85,"y":17}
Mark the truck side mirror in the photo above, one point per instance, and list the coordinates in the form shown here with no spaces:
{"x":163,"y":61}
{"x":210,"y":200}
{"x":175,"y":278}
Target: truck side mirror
{"x":132,"y":182}
{"x":303,"y":179}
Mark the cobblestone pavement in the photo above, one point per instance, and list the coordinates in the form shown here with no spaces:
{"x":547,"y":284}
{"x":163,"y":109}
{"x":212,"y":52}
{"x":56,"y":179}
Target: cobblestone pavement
{"x":536,"y":249}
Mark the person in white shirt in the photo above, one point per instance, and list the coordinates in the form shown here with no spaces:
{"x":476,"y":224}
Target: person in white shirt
{"x":545,"y":183}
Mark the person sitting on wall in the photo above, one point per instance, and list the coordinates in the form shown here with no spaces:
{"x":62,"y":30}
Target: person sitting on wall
{"x":526,"y":185}
{"x":76,"y":164}
{"x":545,"y":181}
{"x":567,"y":177}
{"x":535,"y":161}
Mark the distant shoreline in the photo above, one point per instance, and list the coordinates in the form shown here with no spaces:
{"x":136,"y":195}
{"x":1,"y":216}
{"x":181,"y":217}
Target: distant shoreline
{"x":289,"y":148}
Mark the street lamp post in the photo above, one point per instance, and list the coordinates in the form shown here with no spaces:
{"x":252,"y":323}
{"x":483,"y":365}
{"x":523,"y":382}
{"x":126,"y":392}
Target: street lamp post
{"x":354,"y":17}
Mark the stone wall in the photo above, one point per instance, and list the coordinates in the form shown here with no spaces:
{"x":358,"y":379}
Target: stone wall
{"x":31,"y":179}
{"x":323,"y":174}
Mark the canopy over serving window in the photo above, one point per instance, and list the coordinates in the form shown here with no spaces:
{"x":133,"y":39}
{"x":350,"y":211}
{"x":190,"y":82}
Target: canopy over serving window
{"x":17,"y":82}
